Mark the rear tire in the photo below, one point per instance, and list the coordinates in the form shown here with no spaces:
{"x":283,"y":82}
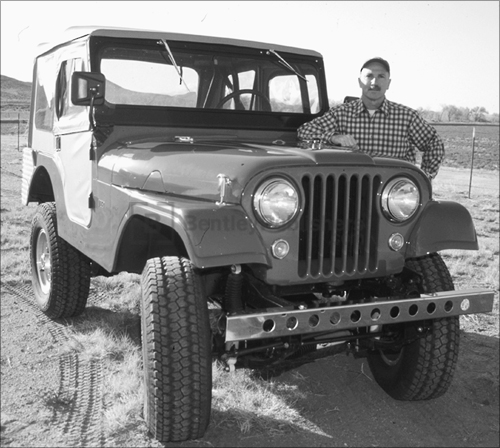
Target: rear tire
{"x":423,"y":369}
{"x":60,"y":273}
{"x":176,"y":344}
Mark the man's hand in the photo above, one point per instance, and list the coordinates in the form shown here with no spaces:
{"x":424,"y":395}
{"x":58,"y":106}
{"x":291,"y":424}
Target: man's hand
{"x":343,"y":140}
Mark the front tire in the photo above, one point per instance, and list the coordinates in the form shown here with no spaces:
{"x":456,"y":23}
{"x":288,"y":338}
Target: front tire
{"x":423,"y":369}
{"x":176,"y":344}
{"x":60,"y":273}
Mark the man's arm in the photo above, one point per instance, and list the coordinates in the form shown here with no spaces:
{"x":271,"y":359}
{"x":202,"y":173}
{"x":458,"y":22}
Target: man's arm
{"x":426,"y":139}
{"x":319,"y":127}
{"x":327,"y":129}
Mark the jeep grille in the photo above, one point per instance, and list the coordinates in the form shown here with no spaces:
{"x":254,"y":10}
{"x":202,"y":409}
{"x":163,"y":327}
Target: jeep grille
{"x":339,"y":226}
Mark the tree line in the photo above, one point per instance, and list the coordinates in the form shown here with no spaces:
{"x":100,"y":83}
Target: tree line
{"x":453,"y":114}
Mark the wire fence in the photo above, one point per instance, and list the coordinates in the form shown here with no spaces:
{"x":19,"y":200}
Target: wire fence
{"x":15,"y":117}
{"x":15,"y":123}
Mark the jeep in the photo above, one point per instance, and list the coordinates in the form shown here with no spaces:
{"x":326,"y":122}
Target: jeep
{"x":176,"y":157}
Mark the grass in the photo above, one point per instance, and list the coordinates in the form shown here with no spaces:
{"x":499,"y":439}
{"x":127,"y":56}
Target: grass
{"x":256,"y":405}
{"x":471,"y":269}
{"x":15,"y":218}
{"x":102,"y":334}
{"x":476,"y":269}
{"x":109,"y":329}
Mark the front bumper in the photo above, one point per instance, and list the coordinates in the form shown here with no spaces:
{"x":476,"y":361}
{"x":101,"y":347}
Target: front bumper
{"x":279,"y":323}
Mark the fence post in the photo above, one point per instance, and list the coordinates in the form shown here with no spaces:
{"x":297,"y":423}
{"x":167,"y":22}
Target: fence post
{"x":18,"y":128}
{"x":472,"y":161}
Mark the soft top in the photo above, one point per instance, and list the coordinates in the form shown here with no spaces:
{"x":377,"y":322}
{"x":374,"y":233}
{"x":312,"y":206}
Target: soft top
{"x":77,"y":32}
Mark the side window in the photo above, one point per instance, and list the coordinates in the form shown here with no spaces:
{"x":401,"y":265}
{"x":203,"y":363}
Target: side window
{"x":64,"y":107}
{"x":43,"y":109}
{"x":53,"y":110}
{"x":44,"y":96}
{"x":62,"y":89}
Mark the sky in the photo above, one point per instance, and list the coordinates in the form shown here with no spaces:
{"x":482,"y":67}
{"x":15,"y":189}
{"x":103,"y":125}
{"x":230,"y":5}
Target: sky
{"x":441,"y":52}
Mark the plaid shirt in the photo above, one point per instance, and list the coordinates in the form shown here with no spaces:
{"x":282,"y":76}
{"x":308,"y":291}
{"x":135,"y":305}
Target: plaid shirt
{"x":393,"y":131}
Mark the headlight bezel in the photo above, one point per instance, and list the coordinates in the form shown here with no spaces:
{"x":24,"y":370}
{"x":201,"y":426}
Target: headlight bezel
{"x":393,"y":212}
{"x":265,"y":188}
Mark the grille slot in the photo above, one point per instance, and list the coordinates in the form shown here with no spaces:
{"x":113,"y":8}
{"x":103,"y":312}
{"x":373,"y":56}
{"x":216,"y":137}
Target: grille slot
{"x":339,"y":226}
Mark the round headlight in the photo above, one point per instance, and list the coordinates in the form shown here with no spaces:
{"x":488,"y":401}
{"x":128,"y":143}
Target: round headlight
{"x":276,"y":202}
{"x":400,"y":199}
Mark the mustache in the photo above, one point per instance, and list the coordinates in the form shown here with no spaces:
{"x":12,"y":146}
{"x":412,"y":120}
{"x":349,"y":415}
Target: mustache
{"x":377,"y":88}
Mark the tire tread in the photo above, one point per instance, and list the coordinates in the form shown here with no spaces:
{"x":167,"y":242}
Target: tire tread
{"x":428,"y":364}
{"x":70,"y":282}
{"x":176,"y":350}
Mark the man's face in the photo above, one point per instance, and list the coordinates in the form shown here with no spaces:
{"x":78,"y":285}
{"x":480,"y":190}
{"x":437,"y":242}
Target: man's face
{"x":374,"y":81}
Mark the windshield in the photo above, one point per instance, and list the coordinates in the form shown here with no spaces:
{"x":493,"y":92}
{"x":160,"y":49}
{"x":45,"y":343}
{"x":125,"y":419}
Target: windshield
{"x":185,"y":75}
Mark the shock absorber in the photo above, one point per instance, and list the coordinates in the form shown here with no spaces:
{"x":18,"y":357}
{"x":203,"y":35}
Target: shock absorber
{"x":233,"y":301}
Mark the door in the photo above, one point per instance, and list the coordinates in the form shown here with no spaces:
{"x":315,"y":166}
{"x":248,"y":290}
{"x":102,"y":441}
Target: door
{"x":73,"y":139}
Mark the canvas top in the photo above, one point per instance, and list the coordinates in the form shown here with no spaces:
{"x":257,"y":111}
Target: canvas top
{"x":77,"y":32}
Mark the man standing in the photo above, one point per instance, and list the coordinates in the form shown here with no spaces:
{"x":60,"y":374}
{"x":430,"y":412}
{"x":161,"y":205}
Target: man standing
{"x":378,"y":126}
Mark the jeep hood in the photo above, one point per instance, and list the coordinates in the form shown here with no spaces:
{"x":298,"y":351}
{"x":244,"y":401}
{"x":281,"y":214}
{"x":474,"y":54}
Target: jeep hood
{"x":193,"y":169}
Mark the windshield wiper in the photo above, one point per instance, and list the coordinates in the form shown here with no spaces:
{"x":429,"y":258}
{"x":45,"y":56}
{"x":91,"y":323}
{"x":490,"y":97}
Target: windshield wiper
{"x":172,"y":60}
{"x":287,"y":65}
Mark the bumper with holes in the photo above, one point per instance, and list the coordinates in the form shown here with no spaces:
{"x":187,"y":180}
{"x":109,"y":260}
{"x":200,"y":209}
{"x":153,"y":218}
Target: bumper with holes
{"x":279,"y":323}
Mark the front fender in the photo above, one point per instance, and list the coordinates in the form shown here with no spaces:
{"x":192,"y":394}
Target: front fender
{"x":213,"y":235}
{"x":442,"y":225}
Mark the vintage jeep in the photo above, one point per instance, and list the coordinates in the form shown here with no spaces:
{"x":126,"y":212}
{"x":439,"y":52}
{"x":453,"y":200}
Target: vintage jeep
{"x":176,"y":156}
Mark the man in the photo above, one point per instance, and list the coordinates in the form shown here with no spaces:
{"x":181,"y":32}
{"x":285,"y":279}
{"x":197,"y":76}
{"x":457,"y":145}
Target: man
{"x":378,"y":126}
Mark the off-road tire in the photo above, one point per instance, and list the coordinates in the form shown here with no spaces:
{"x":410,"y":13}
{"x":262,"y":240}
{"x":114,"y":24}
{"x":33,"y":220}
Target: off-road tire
{"x":60,"y":273}
{"x":177,"y":355}
{"x":423,"y":369}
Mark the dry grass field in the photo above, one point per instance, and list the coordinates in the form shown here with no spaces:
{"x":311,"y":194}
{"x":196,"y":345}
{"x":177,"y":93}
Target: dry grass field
{"x":458,"y":143}
{"x":250,"y":408}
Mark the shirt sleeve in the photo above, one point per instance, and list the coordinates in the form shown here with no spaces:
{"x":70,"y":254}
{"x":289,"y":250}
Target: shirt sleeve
{"x":322,"y":127}
{"x":426,"y":139}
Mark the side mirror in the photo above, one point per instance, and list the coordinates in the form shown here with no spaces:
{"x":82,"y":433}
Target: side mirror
{"x":87,"y":88}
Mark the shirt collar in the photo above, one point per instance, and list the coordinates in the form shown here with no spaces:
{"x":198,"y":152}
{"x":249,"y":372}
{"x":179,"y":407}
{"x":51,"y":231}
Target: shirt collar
{"x":359,"y":107}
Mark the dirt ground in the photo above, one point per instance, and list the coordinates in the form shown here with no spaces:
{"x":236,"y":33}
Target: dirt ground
{"x":340,"y":403}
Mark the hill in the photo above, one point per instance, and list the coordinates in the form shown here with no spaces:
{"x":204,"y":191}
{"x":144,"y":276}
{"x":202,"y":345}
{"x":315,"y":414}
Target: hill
{"x":118,"y":95}
{"x":16,"y":95}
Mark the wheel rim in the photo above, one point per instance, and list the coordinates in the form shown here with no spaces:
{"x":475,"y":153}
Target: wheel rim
{"x":43,"y":262}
